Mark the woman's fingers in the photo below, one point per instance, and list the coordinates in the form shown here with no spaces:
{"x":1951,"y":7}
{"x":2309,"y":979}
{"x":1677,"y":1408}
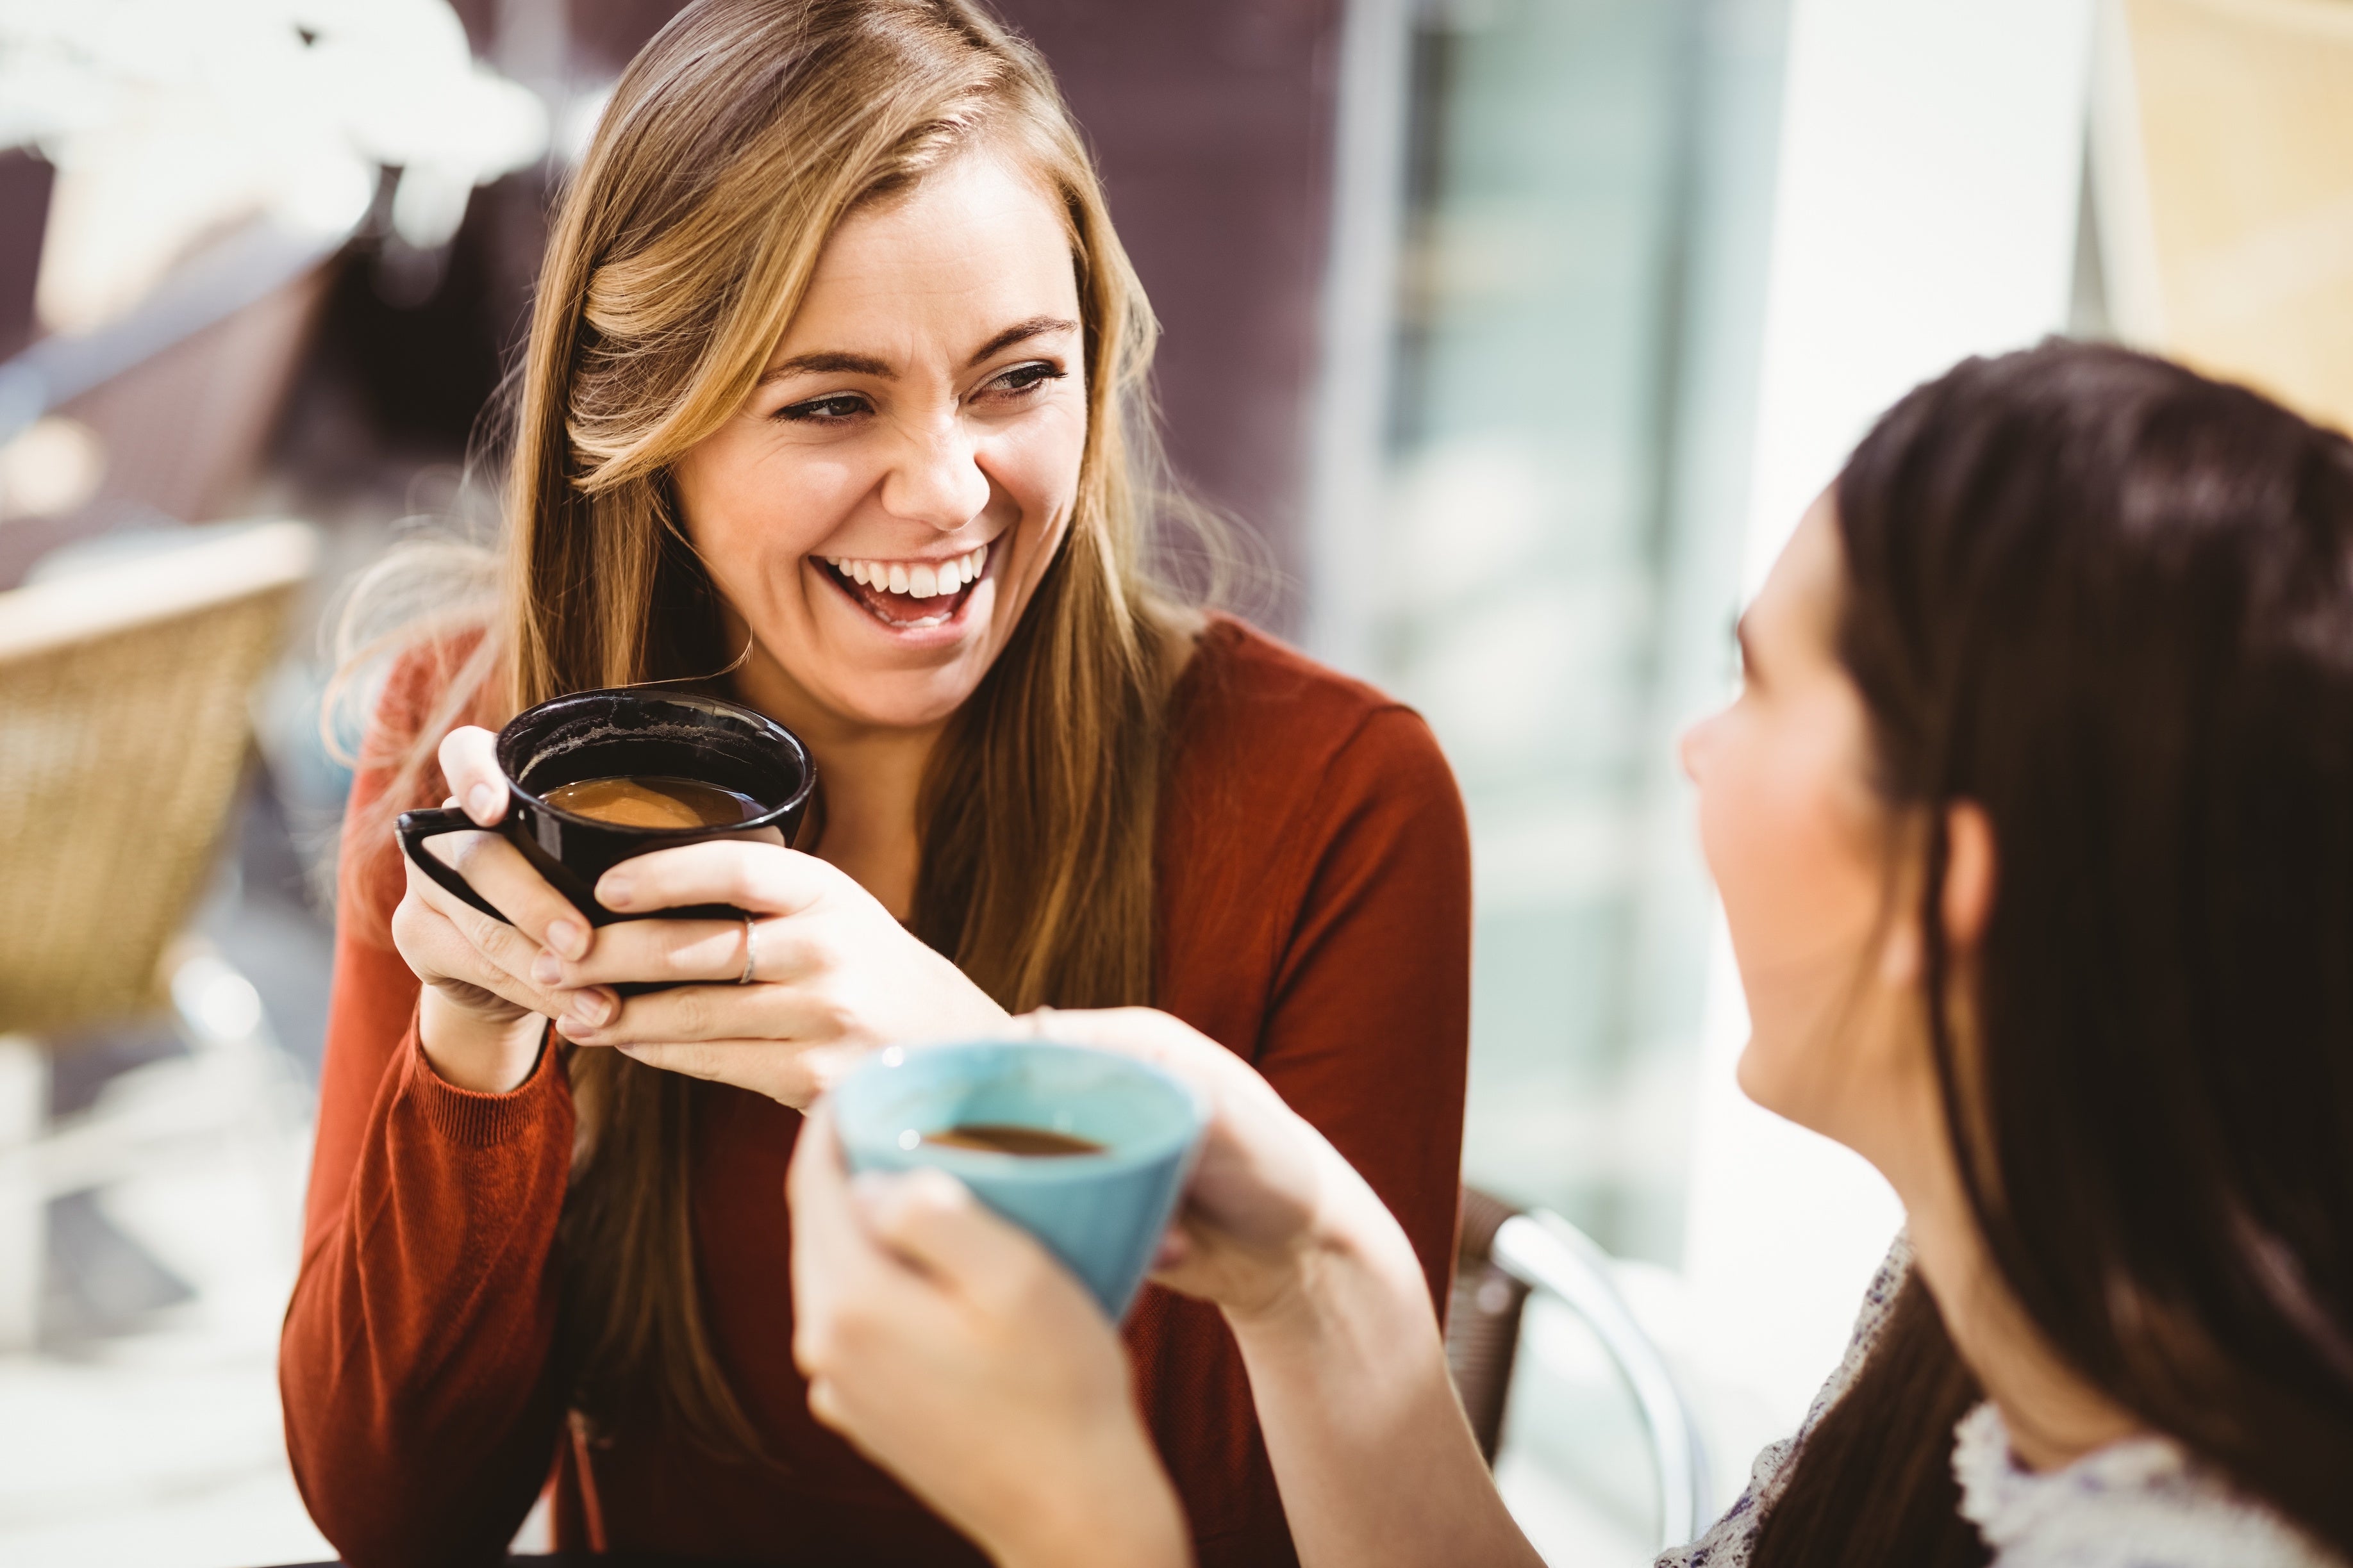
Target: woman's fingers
{"x":789,"y":1075}
{"x":469,"y":762}
{"x":842,"y":1273}
{"x":947,"y":1346}
{"x":925,"y":1220}
{"x":1263,"y":1175}
{"x":494,"y":944}
{"x":668,"y":951}
{"x":827,"y":1237}
{"x":495,"y":869}
{"x":1148,"y":1035}
{"x":446,"y":939}
{"x":815,"y":1176}
{"x":933,"y":1221}
{"x":538,"y":915}
{"x":779,"y":1015}
{"x":766,"y":877}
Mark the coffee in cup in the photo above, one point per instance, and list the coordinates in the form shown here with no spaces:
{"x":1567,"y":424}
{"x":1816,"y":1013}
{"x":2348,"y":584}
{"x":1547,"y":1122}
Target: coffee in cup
{"x":1004,"y":1138}
{"x":1086,"y":1149}
{"x":655,"y":802}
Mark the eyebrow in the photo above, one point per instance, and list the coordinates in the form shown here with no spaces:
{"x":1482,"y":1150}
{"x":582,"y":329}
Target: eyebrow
{"x":828,"y":361}
{"x":833,"y":362}
{"x":1036,"y":326}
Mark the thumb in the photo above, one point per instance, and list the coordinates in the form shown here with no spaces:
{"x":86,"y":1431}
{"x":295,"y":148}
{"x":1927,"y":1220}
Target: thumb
{"x":469,"y":762}
{"x":934,"y":1221}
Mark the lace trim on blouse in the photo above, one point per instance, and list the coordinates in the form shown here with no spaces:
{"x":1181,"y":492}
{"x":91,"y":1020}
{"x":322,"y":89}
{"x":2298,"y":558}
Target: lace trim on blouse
{"x":2141,"y":1503}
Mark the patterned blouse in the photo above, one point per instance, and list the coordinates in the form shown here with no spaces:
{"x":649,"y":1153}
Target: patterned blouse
{"x":2141,"y":1503}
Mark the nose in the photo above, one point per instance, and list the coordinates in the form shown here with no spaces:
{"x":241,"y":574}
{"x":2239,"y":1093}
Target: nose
{"x":937,"y":478}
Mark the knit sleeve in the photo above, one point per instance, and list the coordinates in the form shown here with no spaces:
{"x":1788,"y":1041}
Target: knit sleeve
{"x":416,"y":1367}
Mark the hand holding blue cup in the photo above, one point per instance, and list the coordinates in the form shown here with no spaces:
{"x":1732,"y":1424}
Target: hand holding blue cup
{"x":1100,"y":1211}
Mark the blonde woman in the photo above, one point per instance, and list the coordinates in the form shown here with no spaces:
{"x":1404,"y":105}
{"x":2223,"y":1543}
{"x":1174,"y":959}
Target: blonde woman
{"x":830,"y":407}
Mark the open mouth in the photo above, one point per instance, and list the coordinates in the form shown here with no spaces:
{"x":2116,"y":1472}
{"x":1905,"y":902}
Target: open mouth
{"x":910,"y":595}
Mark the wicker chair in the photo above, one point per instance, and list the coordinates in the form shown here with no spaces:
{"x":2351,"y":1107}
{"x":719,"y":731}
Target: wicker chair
{"x":124,"y":731}
{"x":1502,"y":1255}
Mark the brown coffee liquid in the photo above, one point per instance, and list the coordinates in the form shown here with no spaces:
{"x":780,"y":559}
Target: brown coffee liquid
{"x":999,"y":1138}
{"x":654,"y":803}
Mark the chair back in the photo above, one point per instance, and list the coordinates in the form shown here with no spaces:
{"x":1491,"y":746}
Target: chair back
{"x":123,"y":728}
{"x":1503,"y":1256}
{"x":1482,"y":1319}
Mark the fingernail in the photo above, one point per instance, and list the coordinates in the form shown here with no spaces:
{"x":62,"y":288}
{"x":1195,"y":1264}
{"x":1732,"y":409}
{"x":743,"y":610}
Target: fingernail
{"x":614,"y":892}
{"x":594,"y":1008}
{"x":482,"y":802}
{"x":547,"y":969}
{"x":569,"y":938}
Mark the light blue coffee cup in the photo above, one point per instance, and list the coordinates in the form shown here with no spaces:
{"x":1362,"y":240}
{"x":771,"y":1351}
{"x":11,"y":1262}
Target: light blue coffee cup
{"x":1101,"y":1214}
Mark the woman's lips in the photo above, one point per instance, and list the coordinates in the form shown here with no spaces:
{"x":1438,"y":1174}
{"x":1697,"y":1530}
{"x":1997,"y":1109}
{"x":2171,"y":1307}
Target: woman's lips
{"x":908,"y":596}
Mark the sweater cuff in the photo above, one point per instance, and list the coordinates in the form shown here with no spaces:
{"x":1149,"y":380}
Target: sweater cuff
{"x":472,"y":1120}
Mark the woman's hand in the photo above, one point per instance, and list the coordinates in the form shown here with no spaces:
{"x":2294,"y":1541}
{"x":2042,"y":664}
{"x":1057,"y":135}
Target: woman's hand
{"x":954,"y":1351}
{"x":832,"y":973}
{"x":481,"y":1016}
{"x":1326,"y":1300}
{"x":1268,"y":1196}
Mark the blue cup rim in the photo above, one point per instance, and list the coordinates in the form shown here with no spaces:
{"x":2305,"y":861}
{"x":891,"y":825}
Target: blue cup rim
{"x":876,"y":1069}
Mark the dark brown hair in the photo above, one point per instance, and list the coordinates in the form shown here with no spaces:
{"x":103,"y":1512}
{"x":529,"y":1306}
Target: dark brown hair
{"x":2111,"y":602}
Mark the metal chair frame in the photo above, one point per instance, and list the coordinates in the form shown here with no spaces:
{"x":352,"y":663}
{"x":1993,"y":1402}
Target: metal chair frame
{"x":1545,"y":1252}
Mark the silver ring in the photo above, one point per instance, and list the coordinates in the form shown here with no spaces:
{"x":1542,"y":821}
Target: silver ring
{"x":751,"y":950}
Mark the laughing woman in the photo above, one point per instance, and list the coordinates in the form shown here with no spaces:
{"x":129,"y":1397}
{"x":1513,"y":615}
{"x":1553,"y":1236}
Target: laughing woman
{"x":830,"y":407}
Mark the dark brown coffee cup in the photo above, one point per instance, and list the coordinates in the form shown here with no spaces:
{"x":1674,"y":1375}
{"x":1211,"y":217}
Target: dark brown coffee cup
{"x":622,"y":732}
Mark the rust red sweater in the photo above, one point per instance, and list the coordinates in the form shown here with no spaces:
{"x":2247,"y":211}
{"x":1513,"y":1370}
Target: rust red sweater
{"x":1314,"y":915}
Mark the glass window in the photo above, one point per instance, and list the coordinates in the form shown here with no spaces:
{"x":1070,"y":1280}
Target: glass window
{"x":1583,"y":282}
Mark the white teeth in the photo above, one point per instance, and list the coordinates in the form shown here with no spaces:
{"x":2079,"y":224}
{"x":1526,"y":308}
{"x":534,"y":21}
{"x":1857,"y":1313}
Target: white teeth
{"x":922,"y":580}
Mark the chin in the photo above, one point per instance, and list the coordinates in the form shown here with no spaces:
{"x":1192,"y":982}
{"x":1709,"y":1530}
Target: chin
{"x":910,"y":700}
{"x":1755,"y":1075}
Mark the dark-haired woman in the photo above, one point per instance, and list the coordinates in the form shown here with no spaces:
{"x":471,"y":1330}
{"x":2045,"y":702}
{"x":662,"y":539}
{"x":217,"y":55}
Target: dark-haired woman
{"x":2033,"y":824}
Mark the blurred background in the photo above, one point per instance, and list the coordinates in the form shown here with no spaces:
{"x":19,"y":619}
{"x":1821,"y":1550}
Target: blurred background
{"x":1520,"y":332}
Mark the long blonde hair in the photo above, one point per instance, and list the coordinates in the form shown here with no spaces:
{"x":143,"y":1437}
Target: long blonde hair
{"x":734,"y":146}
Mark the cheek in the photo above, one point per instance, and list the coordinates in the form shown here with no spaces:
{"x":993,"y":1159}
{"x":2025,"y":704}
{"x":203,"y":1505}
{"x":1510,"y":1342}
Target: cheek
{"x":1794,"y":859}
{"x":749,"y":506}
{"x":1036,"y":462}
{"x":1034,"y":469}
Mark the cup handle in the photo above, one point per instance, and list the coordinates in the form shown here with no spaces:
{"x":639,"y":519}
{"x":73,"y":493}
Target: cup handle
{"x":413,"y":827}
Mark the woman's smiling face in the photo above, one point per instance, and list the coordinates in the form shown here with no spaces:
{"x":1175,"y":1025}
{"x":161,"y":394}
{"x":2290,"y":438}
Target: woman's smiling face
{"x":878,"y":514}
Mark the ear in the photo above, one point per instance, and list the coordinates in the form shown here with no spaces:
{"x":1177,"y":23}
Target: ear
{"x":1970,"y":875}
